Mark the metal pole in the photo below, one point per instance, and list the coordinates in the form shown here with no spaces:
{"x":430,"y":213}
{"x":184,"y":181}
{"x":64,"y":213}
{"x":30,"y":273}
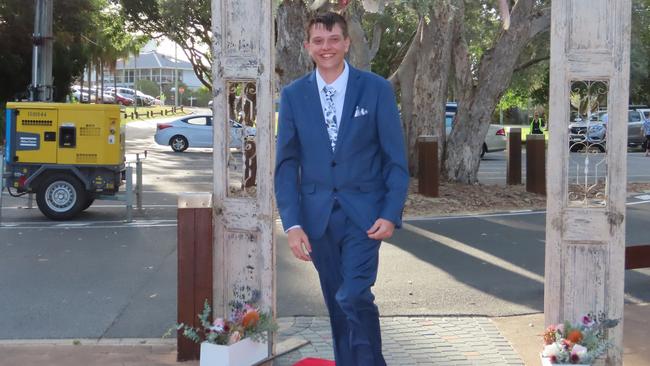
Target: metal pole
{"x":175,"y":74}
{"x":138,"y":182}
{"x":30,"y":200}
{"x":41,"y":88}
{"x":129,"y":193}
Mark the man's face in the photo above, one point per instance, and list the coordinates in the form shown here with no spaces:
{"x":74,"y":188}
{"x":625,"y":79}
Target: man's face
{"x":327,"y":48}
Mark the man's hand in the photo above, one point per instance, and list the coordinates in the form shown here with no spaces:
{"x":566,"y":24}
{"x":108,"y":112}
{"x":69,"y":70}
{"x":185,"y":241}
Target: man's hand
{"x":299,"y":244}
{"x":382,"y":229}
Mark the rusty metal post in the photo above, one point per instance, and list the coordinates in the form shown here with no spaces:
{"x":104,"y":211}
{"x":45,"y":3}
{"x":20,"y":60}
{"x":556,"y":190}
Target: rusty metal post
{"x":536,"y":164}
{"x":428,"y":169}
{"x":514,"y":157}
{"x":250,"y":164}
{"x":194,"y":265}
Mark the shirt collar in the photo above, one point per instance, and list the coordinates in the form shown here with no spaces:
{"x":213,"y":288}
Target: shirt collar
{"x":339,"y":84}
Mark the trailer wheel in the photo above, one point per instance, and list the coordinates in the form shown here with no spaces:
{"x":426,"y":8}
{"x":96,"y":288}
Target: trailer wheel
{"x":61,"y":196}
{"x":89,"y":201}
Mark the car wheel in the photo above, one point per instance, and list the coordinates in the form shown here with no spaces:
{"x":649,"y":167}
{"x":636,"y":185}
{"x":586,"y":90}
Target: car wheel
{"x":61,"y":196}
{"x":483,"y":149}
{"x":178,"y":143}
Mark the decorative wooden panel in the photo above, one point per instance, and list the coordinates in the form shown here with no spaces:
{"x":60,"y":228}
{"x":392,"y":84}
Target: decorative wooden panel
{"x":585,"y":231}
{"x":242,"y":93}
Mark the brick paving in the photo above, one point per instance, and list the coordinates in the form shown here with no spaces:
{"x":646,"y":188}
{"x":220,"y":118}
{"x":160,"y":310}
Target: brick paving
{"x":441,"y":341}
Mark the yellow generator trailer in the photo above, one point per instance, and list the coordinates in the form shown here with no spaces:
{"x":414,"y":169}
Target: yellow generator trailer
{"x":67,"y":154}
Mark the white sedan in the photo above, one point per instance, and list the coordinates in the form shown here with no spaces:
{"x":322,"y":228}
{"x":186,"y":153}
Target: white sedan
{"x":196,"y":131}
{"x":495,"y":140}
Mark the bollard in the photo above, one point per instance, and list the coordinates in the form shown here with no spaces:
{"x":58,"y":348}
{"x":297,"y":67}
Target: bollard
{"x":513,"y":175}
{"x":129,"y":193}
{"x":536,"y":164}
{"x":194,"y":266}
{"x":428,"y":177}
{"x":138,"y":181}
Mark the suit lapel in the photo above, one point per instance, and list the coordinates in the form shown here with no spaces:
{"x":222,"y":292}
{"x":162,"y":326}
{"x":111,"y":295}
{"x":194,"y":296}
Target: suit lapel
{"x":351,"y":99}
{"x":312,"y":100}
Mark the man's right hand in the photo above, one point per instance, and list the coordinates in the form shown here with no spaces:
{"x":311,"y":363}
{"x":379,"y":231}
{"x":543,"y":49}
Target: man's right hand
{"x":299,"y":244}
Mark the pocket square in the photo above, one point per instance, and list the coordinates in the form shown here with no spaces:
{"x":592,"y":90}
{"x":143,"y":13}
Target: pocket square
{"x":358,"y":111}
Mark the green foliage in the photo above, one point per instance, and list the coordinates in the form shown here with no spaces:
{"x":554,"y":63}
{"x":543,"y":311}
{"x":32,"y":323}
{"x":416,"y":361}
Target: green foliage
{"x":245,"y":321}
{"x":148,"y":87}
{"x":186,"y":22}
{"x":399,"y":22}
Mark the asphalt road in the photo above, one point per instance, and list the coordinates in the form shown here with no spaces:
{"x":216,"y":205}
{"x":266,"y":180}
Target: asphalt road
{"x":99,"y":277}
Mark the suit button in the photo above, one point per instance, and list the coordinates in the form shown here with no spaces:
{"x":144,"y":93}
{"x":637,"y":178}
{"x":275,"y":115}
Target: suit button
{"x":333,"y":164}
{"x":335,"y":190}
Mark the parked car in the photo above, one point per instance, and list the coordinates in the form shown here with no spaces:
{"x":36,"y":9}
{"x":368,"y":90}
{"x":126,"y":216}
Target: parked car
{"x":196,"y":131}
{"x":592,"y":134}
{"x":495,"y":140}
{"x":119,"y":98}
{"x":134,"y":95}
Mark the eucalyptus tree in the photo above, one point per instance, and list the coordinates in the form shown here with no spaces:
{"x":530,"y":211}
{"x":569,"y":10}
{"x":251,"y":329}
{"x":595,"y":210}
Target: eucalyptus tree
{"x":480,"y":83}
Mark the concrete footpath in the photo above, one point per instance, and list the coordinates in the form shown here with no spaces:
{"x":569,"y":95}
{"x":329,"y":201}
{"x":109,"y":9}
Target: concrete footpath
{"x":407,"y":341}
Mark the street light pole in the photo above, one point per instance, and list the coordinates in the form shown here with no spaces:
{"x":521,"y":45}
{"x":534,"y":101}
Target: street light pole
{"x":175,"y":74}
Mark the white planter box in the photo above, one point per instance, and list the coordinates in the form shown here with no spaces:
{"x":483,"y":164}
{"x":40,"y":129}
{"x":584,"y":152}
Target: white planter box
{"x":547,"y":362}
{"x":243,"y":353}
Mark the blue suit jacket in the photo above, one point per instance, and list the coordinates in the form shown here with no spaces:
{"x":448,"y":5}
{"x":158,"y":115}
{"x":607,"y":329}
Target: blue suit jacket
{"x":367,"y":173}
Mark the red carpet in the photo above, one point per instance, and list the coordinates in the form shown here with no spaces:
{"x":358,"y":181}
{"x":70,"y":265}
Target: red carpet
{"x":314,"y":362}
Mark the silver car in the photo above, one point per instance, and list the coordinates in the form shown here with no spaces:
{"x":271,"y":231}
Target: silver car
{"x":196,"y":131}
{"x":592,"y":134}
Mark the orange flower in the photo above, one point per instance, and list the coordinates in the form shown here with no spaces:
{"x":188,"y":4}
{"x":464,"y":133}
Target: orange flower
{"x":575,"y":336}
{"x":251,"y":318}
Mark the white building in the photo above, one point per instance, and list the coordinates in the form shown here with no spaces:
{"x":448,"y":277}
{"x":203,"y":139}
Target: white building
{"x":153,"y":66}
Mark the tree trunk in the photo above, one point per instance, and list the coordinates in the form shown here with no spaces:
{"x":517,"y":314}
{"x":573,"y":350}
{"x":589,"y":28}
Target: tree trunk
{"x":291,"y":59}
{"x":477,"y":97}
{"x":361,"y":51}
{"x":423,"y":76}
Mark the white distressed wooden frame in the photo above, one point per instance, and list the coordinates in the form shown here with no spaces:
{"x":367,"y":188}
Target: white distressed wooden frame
{"x":244,"y":247}
{"x":585,"y":247}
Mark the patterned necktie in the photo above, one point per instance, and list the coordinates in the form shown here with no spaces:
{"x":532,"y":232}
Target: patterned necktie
{"x":330,"y":114}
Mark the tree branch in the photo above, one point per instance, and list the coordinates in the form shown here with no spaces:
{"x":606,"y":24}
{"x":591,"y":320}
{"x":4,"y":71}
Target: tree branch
{"x":530,"y":63}
{"x":377,"y":32}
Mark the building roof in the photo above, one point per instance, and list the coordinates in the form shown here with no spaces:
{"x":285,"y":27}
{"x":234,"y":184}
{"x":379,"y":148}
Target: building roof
{"x":154,"y":60}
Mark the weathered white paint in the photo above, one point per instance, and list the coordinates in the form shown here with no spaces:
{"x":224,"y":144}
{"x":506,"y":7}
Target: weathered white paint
{"x":243,"y":237}
{"x":585,"y":247}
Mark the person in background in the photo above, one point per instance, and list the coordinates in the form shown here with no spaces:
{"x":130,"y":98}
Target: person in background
{"x":646,"y":133}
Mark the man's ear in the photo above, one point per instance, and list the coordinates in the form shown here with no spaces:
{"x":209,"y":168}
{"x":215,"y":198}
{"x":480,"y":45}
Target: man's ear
{"x":306,"y":45}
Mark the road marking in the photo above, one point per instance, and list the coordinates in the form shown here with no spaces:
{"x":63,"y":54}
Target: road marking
{"x":88,"y":224}
{"x":643,"y":197}
{"x":476,"y":253}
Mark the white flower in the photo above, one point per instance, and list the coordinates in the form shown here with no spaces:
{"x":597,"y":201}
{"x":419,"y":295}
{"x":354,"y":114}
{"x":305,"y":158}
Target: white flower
{"x":579,"y":350}
{"x":551,"y":350}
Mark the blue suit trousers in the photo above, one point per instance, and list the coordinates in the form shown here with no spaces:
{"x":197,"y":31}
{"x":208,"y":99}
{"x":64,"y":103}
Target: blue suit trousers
{"x":346,"y":261}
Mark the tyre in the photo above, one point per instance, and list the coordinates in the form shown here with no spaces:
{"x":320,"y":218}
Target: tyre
{"x":61,"y":196}
{"x":89,"y":201}
{"x":178,"y":143}
{"x":483,"y":149}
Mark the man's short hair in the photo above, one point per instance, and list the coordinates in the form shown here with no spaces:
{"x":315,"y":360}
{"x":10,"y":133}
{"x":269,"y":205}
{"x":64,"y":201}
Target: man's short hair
{"x":327,"y":20}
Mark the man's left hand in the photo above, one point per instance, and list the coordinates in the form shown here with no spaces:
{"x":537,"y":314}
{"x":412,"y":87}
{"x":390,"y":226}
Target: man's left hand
{"x":382,"y":229}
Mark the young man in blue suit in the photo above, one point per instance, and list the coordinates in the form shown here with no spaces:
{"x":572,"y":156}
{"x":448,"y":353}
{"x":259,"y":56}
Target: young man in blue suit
{"x":341,"y":179}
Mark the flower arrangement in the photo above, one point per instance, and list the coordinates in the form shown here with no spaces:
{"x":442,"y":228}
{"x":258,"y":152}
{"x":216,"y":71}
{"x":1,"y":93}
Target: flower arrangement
{"x":577,"y":343}
{"x":245,"y":321}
